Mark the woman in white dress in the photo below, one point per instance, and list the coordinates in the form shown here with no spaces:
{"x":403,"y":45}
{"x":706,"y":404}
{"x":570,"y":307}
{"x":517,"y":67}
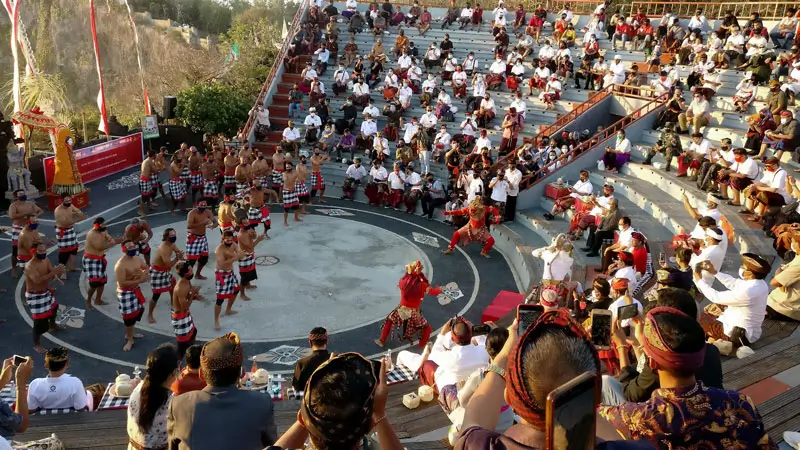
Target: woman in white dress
{"x":149,"y":402}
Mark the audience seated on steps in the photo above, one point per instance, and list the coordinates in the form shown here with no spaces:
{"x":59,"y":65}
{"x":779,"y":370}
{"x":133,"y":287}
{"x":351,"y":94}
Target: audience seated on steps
{"x":783,"y":302}
{"x":149,"y":403}
{"x":736,"y":313}
{"x":582,"y":188}
{"x":675,"y":345}
{"x":638,"y":380}
{"x":58,"y":390}
{"x":16,"y":421}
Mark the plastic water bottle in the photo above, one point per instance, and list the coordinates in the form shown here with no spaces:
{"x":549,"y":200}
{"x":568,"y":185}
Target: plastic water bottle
{"x":388,"y":360}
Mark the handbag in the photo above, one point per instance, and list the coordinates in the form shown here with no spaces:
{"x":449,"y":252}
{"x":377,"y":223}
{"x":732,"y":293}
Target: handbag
{"x":790,"y":208}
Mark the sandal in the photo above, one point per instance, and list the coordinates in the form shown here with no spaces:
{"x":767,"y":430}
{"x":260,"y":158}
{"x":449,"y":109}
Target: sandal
{"x":731,"y":202}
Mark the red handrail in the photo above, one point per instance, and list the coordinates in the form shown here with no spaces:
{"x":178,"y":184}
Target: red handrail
{"x":601,"y":136}
{"x":278,"y":62}
{"x":567,"y":118}
{"x":715,"y":10}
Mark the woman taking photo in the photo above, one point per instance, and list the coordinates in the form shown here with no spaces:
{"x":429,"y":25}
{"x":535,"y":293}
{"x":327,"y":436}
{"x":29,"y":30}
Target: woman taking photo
{"x":149,"y":402}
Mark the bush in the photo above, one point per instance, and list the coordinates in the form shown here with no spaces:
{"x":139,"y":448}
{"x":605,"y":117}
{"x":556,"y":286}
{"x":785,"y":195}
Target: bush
{"x":214,"y":107}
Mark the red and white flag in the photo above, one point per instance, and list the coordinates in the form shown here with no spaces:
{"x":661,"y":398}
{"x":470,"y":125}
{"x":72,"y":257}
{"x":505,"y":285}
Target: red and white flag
{"x":101,"y":96}
{"x":12,"y":8}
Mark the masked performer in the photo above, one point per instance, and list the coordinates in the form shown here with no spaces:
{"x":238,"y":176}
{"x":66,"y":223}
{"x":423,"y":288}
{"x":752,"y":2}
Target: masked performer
{"x":408,"y":317}
{"x":477,"y":230}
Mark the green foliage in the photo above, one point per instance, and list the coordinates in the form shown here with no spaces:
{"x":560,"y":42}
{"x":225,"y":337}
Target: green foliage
{"x":214,"y":107}
{"x":211,"y":16}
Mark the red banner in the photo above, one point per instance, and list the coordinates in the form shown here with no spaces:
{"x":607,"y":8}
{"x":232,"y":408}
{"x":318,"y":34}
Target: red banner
{"x":101,"y":160}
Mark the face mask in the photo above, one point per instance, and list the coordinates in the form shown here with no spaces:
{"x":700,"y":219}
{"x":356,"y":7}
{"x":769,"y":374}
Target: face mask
{"x":22,"y":198}
{"x":230,"y":202}
{"x":741,"y":272}
{"x":67,"y":204}
{"x":784,"y":121}
{"x":228,"y":244}
{"x":620,"y":137}
{"x":101,"y":229}
{"x":771,"y":169}
{"x":201,"y":209}
{"x":133,"y":252}
{"x":189,"y":276}
{"x":172,"y":239}
{"x":41,"y":256}
{"x":33,"y":226}
{"x":621,"y":228}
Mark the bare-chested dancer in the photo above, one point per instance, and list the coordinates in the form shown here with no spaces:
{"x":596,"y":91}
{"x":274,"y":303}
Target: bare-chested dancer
{"x":131,"y":271}
{"x":41,"y":301}
{"x":161,"y":279}
{"x":210,"y":182}
{"x":317,"y":182}
{"x":177,"y":188}
{"x":226,"y":284}
{"x":259,"y":211}
{"x":230,"y":163}
{"x":195,"y":175}
{"x":29,"y":238}
{"x":278,"y":167}
{"x":290,"y":200}
{"x":262,"y":172}
{"x":160,"y":166}
{"x":219,"y":164}
{"x":66,"y":215}
{"x":197,"y":221}
{"x":300,"y":186}
{"x":183,"y":154}
{"x":182,"y":297}
{"x":226,"y":219}
{"x":242,"y":176}
{"x":147,"y":183}
{"x":248,"y":239}
{"x":246,"y":152}
{"x":139,"y":231}
{"x":20,"y":211}
{"x":94,"y":262}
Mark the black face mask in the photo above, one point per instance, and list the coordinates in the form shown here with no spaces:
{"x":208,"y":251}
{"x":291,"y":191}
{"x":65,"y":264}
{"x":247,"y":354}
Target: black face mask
{"x":101,"y":229}
{"x":189,"y":276}
{"x":67,"y":204}
{"x":228,"y":244}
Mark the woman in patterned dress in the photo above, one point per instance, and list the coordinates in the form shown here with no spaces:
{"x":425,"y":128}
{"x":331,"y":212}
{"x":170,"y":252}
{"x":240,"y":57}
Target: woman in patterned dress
{"x":149,"y":402}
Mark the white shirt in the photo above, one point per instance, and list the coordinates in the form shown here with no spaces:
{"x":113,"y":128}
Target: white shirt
{"x":428,"y":86}
{"x":498,"y":12}
{"x":360,"y":89}
{"x":390,"y":80}
{"x":323,"y":55}
{"x":404,"y":61}
{"x":356,"y":173}
{"x":341,"y":76}
{"x":557,"y":264}
{"x":488,"y":105}
{"x":410,"y":129}
{"x":475,"y":189}
{"x":482,"y":142}
{"x":661,"y":86}
{"x":618,"y":69}
{"x":469,"y":63}
{"x":351,"y":5}
{"x":459,"y":78}
{"x":405,"y":94}
{"x":468,"y":130}
{"x":624,"y":237}
{"x":291,"y":134}
{"x":433,"y":53}
{"x":414,"y":73}
{"x":368,"y":127}
{"x":701,"y":148}
{"x":498,"y":67}
{"x":777,"y":180}
{"x":455,"y":362}
{"x":623,"y":146}
{"x":466,"y":12}
{"x":518,"y":69}
{"x":478,"y":87}
{"x":697,"y":22}
{"x":735,"y":43}
{"x":372,"y":110}
{"x":582,"y":188}
{"x":629,"y":273}
{"x":514,"y":177}
{"x":312,"y":121}
{"x":415,"y":180}
{"x":713,"y":253}
{"x":450,"y":64}
{"x":705,"y":212}
{"x":746,"y":302}
{"x":379,"y":174}
{"x":442,"y":138}
{"x":443,"y":97}
{"x":547,"y":52}
{"x":4,"y":445}
{"x":699,"y":107}
{"x":499,"y":190}
{"x":614,"y":307}
{"x":310,"y":74}
{"x":542,"y":72}
{"x":711,"y":77}
{"x":397,"y":180}
{"x":428,"y":120}
{"x":520,"y":106}
{"x":61,"y":392}
{"x":749,"y":168}
{"x":602,"y":202}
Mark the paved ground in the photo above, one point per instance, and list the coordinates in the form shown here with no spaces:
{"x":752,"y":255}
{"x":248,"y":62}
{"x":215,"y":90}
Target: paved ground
{"x":339,"y":268}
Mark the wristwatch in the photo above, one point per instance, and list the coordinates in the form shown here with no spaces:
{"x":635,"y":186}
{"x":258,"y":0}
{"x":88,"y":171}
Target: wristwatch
{"x":497,"y":369}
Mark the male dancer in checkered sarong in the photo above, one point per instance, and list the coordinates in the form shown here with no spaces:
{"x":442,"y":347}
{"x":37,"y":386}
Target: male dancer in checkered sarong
{"x":300,"y":187}
{"x":197,"y":221}
{"x":248,"y":240}
{"x":290,"y":200}
{"x":94,"y":263}
{"x":182,"y":297}
{"x":195,"y":174}
{"x":177,"y":188}
{"x":229,"y":180}
{"x":130,"y":271}
{"x":278,"y":167}
{"x":41,"y":302}
{"x":161,"y":279}
{"x":210,"y":182}
{"x":185,"y":176}
{"x":147,"y":183}
{"x":226,"y":283}
{"x":242,"y":175}
{"x":66,"y":215}
{"x":259,"y":211}
{"x":317,"y":182}
{"x":20,"y":211}
{"x":139,"y":231}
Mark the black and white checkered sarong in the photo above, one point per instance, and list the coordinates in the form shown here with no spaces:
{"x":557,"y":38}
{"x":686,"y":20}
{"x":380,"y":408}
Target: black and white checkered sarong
{"x":161,"y":279}
{"x":277,"y":178}
{"x":94,"y":267}
{"x":67,"y":240}
{"x":146,"y":186}
{"x":226,"y":284}
{"x":15,"y":231}
{"x":196,"y":179}
{"x":210,"y":189}
{"x":247,"y":263}
{"x":301,"y":189}
{"x":185,"y":175}
{"x":42,"y":304}
{"x":177,"y":189}
{"x":241,"y":190}
{"x":196,"y":246}
{"x":130,"y":302}
{"x":258,"y":215}
{"x":229,"y":181}
{"x":317,"y":182}
{"x":182,"y":325}
{"x":290,"y":199}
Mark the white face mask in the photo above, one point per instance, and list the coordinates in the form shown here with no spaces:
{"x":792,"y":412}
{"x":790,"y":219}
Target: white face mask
{"x":741,"y":272}
{"x":784,"y":121}
{"x":621,"y":228}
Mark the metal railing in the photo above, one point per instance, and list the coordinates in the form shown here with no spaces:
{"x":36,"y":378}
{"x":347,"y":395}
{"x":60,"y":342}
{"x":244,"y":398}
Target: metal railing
{"x":277,"y":64}
{"x":565,"y":119}
{"x":554,"y":6}
{"x":715,"y":10}
{"x":635,"y":92}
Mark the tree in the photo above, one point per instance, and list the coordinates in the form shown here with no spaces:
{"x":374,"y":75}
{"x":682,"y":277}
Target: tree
{"x":214,"y":107}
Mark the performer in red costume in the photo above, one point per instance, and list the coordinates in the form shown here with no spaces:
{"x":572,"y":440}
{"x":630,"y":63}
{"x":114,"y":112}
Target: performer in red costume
{"x":477,"y":230}
{"x":407,"y":316}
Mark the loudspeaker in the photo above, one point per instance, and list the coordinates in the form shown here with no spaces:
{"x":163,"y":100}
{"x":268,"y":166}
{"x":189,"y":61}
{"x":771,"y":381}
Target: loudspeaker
{"x":170,"y":103}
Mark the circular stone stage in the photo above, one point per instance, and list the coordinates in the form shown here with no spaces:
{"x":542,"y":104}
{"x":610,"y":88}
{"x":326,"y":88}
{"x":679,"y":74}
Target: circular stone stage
{"x":339,"y":268}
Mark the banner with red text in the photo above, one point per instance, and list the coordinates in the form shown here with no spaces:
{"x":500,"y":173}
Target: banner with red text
{"x":101,"y":160}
